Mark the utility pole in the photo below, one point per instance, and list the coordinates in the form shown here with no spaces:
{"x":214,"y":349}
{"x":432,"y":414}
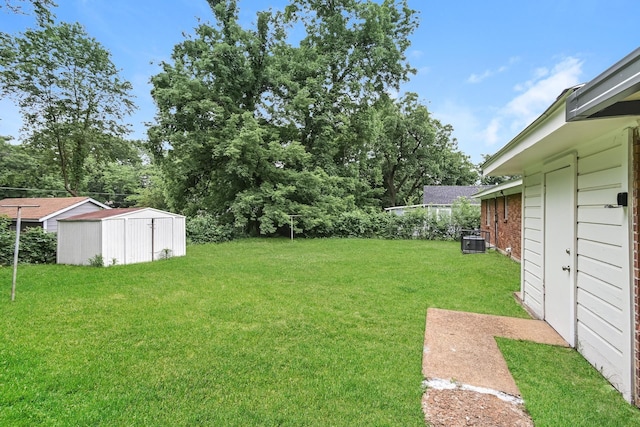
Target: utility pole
{"x":291,"y":218}
{"x":17,"y":247}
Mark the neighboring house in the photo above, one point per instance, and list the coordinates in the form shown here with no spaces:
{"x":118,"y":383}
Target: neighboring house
{"x":48,"y":211}
{"x":440,"y":198}
{"x":580,"y":163}
{"x":121,"y":236}
{"x":501,"y":216}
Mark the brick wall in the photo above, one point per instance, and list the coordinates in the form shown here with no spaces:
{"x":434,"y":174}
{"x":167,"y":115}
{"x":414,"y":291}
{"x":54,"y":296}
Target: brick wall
{"x":509,"y":227}
{"x":636,"y":260}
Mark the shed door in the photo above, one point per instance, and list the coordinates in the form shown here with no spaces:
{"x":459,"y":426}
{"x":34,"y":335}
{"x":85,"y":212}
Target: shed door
{"x":559,"y":226}
{"x":139,"y":240}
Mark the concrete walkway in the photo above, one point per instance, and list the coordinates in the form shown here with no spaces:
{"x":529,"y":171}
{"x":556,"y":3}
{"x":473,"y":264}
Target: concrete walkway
{"x":460,"y":352}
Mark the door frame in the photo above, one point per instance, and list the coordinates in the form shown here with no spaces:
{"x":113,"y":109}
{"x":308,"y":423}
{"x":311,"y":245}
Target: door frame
{"x":565,"y":160}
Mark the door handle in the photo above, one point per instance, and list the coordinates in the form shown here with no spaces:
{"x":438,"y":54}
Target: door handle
{"x":566,"y":268}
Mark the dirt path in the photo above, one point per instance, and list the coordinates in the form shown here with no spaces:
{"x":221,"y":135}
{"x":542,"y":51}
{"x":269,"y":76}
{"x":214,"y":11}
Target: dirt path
{"x":467,"y":379}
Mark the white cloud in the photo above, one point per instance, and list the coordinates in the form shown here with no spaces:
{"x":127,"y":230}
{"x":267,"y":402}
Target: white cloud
{"x":536,"y":95}
{"x":477,"y":78}
{"x":491,"y":131}
{"x":480,"y":130}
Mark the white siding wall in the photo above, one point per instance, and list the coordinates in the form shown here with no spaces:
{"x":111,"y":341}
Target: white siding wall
{"x":532,"y":271}
{"x":77,"y":242}
{"x":51,"y":225}
{"x":603,"y":263}
{"x":179,"y":237}
{"x":113,"y":242}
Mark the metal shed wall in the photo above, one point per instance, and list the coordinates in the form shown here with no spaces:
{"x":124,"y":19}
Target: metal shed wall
{"x":78,"y":242}
{"x":138,"y":236}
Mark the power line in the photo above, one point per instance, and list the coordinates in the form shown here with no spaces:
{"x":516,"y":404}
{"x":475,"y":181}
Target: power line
{"x":64,"y":191}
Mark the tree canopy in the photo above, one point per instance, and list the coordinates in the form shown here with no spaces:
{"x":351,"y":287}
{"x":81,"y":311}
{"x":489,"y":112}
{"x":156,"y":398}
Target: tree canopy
{"x":253,"y":128}
{"x":72,"y":99}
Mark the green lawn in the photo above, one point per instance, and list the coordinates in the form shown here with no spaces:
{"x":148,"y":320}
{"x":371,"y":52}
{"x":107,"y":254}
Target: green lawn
{"x":255,"y":332}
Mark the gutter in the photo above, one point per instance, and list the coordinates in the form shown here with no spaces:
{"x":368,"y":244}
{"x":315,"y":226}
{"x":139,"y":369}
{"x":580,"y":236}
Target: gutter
{"x":604,"y":96}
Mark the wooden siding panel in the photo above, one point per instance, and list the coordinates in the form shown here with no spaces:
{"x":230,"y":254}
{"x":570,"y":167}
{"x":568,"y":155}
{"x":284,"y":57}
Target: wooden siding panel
{"x":604,"y":290}
{"x":598,"y":197}
{"x":532,"y":234}
{"x":534,"y":246}
{"x":602,"y":309}
{"x":600,"y":251}
{"x":533,"y":258}
{"x":602,"y":179}
{"x":532,"y":199}
{"x":534,"y":223}
{"x":605,"y":159}
{"x":602,"y":328}
{"x":600,"y":215}
{"x":602,"y":355}
{"x":532,"y":286}
{"x":600,"y":270}
{"x":601,"y":233}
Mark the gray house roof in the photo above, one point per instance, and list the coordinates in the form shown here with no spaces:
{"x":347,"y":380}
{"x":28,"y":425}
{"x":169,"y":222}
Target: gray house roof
{"x":447,"y":194}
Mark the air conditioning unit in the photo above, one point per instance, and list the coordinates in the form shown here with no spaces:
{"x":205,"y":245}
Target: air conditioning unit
{"x":472,"y":244}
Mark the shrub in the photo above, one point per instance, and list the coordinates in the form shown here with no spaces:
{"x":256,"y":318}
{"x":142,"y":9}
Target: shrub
{"x":465,"y":216}
{"x":205,"y":228}
{"x":36,"y":245}
{"x":96,"y":261}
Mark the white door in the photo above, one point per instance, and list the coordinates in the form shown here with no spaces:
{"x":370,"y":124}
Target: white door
{"x":559,"y":238}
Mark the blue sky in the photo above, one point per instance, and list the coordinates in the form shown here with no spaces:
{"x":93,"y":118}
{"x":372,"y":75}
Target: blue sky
{"x":487,"y":68}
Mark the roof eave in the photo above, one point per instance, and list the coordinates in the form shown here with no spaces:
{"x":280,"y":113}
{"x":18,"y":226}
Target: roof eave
{"x":514,"y":145}
{"x":610,"y":87}
{"x":504,"y":189}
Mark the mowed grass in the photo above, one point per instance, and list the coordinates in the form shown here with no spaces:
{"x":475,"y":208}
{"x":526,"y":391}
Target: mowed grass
{"x":255,"y":332}
{"x":561,"y":388}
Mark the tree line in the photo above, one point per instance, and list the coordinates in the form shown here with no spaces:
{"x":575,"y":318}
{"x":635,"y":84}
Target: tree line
{"x":253,"y":123}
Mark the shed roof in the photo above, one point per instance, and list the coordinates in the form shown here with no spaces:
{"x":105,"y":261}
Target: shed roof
{"x":98,"y":215}
{"x":448,"y":194}
{"x":47,"y":206}
{"x":114,"y":213}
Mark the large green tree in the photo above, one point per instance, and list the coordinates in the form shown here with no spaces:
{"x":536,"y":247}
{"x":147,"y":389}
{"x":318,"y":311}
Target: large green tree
{"x":69,"y":92}
{"x":252,"y":126}
{"x":255,"y":128}
{"x":40,"y":8}
{"x":24,"y":173}
{"x":412,"y":149}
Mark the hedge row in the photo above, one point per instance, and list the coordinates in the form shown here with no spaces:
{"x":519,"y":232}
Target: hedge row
{"x":413,"y":224}
{"x":36,"y":245}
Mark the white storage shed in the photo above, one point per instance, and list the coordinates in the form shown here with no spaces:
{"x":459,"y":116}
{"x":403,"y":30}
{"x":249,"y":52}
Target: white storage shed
{"x":121,"y":236}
